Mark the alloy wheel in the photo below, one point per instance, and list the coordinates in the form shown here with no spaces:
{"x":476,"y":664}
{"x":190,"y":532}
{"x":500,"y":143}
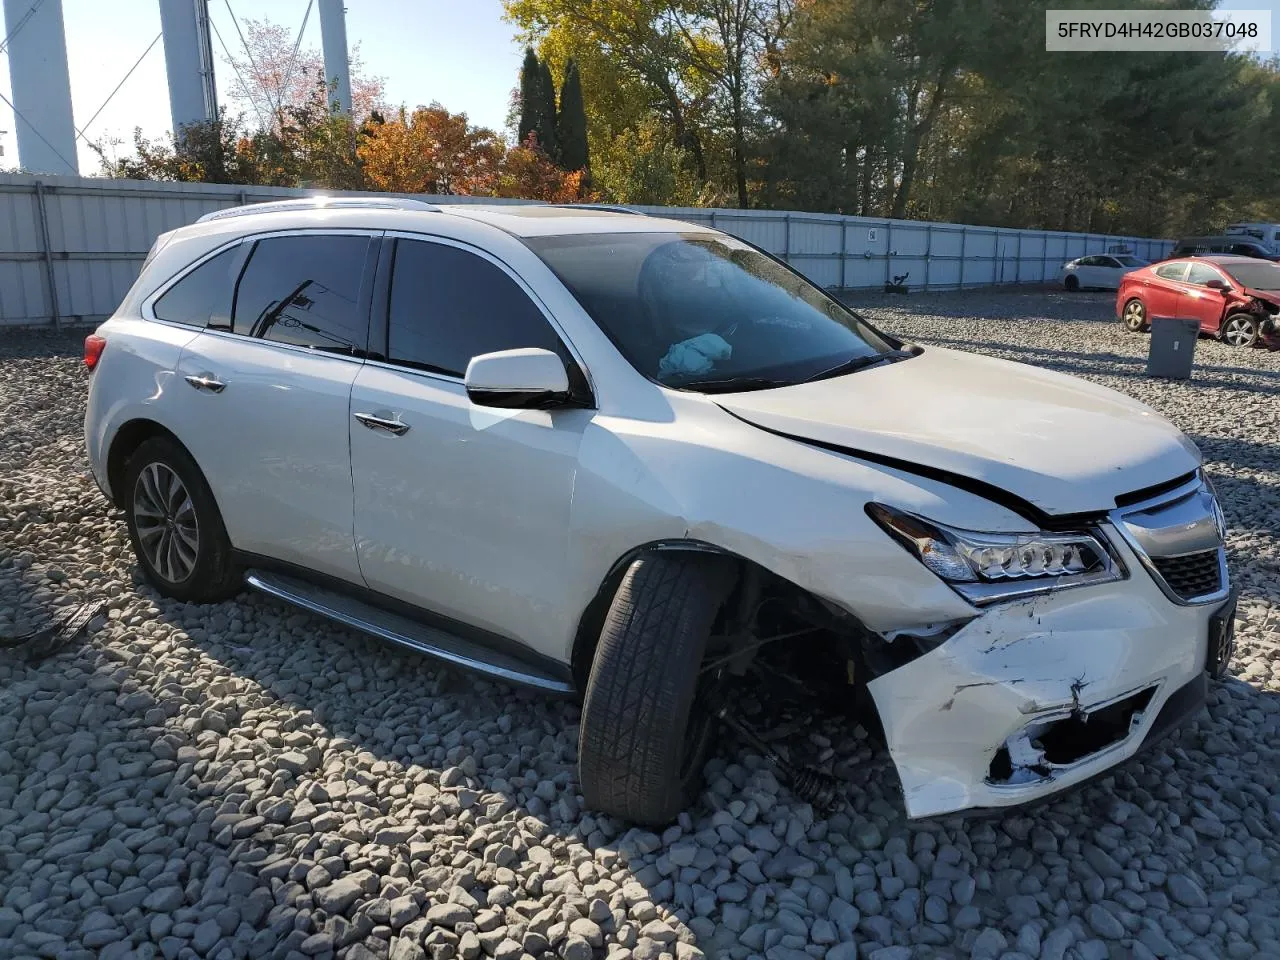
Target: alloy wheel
{"x":1134,"y":315}
{"x":165,"y":519}
{"x":1239,"y":332}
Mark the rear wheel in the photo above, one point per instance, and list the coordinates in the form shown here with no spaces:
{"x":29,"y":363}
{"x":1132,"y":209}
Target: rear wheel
{"x":175,"y":526}
{"x":1241,"y":330}
{"x":644,"y":737}
{"x":1071,"y":283}
{"x":1134,"y":316}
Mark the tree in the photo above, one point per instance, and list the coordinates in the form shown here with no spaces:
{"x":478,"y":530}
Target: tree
{"x":546,"y":119}
{"x":643,"y":166}
{"x":530,"y":95}
{"x":529,"y":174}
{"x":271,"y":76}
{"x":432,"y":151}
{"x":571,"y":123}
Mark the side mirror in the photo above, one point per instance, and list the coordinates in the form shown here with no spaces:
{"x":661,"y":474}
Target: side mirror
{"x":525,"y":379}
{"x":1216,"y":284}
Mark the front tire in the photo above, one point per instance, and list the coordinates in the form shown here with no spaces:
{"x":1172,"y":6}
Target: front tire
{"x":1071,"y":283}
{"x":643,"y":739}
{"x":1134,"y":316}
{"x":1241,"y":330}
{"x":175,"y":526}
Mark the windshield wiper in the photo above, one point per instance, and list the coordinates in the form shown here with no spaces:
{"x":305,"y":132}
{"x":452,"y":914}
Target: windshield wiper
{"x":732,"y":384}
{"x":859,"y":363}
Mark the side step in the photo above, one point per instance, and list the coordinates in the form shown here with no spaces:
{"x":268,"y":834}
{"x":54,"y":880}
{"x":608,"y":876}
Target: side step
{"x":401,"y":630}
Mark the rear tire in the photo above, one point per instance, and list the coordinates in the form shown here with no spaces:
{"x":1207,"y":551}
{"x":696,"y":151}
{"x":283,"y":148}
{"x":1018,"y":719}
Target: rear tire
{"x":1134,"y":316}
{"x":175,"y":526}
{"x":1071,"y":283}
{"x":1241,"y":330}
{"x":643,"y":739}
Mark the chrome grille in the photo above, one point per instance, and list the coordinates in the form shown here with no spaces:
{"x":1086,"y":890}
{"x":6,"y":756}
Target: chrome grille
{"x":1192,"y":576}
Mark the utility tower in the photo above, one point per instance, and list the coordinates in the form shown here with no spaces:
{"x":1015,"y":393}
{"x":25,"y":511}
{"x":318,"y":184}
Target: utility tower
{"x":188,"y":61}
{"x":41,"y":86}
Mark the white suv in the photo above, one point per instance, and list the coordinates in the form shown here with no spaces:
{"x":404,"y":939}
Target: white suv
{"x":633,"y":459}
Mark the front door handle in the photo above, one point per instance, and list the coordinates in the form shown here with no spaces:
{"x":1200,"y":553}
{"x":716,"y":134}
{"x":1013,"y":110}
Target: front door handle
{"x":396,"y":427}
{"x":207,"y":382}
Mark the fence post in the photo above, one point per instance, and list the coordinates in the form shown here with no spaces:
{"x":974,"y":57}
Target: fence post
{"x":888,"y":252}
{"x":964,"y":249}
{"x":786,"y":239}
{"x":928,"y":253}
{"x":844,"y":249}
{"x":1017,"y":277}
{"x":242,"y":197}
{"x":713,"y":218}
{"x":50,"y":280}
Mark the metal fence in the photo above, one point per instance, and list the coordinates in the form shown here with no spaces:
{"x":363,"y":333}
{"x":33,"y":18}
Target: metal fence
{"x":70,"y":247}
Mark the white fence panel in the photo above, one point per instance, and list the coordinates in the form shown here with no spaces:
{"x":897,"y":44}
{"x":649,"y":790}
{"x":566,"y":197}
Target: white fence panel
{"x":71,"y":246}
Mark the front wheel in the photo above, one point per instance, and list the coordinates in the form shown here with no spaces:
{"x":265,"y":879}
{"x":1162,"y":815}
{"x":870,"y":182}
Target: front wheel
{"x":644,"y":739}
{"x":175,"y":526}
{"x":1241,"y":330}
{"x":1134,"y":316}
{"x":1071,"y":283}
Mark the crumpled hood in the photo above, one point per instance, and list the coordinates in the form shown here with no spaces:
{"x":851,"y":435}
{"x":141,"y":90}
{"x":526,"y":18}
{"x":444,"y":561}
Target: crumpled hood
{"x":1058,"y":442}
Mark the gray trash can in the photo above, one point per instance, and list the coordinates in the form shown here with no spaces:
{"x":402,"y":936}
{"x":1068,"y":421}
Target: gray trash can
{"x":1173,"y":347}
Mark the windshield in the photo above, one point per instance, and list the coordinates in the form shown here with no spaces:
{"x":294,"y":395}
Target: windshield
{"x":707,"y":311}
{"x":1131,"y":262}
{"x":1260,"y":275}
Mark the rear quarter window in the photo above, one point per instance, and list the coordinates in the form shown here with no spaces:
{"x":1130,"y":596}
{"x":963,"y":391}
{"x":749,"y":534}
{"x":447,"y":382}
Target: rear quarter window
{"x":203,"y":296}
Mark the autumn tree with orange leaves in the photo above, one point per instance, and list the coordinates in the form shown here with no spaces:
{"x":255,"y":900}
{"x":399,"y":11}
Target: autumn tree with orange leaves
{"x":431,"y":151}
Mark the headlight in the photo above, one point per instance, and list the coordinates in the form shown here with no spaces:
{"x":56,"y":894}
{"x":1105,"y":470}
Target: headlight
{"x":986,"y":567}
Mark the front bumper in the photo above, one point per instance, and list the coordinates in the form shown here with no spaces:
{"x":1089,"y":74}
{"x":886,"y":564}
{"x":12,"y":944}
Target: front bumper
{"x":960,"y":720}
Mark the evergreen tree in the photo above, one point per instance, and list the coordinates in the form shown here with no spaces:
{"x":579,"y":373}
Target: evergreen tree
{"x":571,"y":123}
{"x":545,"y":125}
{"x":530,"y":95}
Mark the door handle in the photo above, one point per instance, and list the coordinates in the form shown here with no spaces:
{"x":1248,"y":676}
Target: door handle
{"x":395,"y":427}
{"x":207,"y":382}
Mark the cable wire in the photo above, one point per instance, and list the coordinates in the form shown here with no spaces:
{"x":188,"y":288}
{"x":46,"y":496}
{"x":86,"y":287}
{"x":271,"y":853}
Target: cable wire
{"x":36,"y":130}
{"x":231,"y":60}
{"x":80,"y":132}
{"x":293,"y":57}
{"x":31,"y":12}
{"x":275,"y":107}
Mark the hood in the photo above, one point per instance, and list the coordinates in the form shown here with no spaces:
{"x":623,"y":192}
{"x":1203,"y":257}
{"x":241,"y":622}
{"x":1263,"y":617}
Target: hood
{"x":1062,"y":444}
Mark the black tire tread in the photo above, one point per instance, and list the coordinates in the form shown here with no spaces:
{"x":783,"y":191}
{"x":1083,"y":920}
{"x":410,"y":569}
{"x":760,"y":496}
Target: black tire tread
{"x":216,"y":576}
{"x":643,"y":679}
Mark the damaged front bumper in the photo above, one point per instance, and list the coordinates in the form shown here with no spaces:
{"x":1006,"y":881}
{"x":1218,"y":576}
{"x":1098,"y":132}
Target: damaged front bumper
{"x":1039,"y":695}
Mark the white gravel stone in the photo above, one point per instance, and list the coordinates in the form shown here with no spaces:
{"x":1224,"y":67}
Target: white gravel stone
{"x":242,"y":780}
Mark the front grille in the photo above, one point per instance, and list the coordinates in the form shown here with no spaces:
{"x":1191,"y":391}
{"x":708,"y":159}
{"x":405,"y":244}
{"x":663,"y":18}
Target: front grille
{"x":1191,"y":576}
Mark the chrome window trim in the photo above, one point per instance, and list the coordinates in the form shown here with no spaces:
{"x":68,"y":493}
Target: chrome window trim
{"x":511,"y":272}
{"x":1117,"y":524}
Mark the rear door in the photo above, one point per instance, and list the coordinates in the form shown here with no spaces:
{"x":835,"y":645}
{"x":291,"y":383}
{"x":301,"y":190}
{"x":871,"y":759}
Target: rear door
{"x":263,"y":395}
{"x":1162,"y":291}
{"x":462,"y":509}
{"x":1199,"y":301}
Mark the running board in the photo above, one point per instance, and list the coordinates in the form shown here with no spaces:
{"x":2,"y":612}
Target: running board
{"x":418,"y":637}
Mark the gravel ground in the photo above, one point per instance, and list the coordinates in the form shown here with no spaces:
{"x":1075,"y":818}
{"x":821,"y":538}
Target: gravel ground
{"x":244,"y":781}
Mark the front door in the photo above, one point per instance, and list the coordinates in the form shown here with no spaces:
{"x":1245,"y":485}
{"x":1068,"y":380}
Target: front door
{"x":1200,"y":302}
{"x":462,"y":509}
{"x":264,"y":396}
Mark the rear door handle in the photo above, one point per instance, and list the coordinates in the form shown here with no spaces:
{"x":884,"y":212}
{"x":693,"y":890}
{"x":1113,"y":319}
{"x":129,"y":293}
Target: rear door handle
{"x":396,"y":427}
{"x":207,"y":382}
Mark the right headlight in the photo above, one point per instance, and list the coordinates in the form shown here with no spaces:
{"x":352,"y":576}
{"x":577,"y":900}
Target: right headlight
{"x":989,"y":567}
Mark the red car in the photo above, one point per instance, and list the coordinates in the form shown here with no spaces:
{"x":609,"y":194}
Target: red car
{"x":1236,"y":299}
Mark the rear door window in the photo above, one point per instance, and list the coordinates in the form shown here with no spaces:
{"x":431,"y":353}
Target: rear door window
{"x":449,"y":305}
{"x":203,"y":297}
{"x":307,"y":291}
{"x":1171,"y":271}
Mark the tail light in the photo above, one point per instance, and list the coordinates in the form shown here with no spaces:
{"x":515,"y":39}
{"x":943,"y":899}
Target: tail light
{"x":93,"y":347}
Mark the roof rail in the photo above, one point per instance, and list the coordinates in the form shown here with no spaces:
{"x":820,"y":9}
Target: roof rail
{"x":320,"y":203}
{"x":606,"y":207}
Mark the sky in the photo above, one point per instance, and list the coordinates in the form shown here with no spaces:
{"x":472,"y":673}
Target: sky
{"x":459,"y":52}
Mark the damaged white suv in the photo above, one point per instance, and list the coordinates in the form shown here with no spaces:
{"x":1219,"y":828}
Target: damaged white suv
{"x":645,"y":463}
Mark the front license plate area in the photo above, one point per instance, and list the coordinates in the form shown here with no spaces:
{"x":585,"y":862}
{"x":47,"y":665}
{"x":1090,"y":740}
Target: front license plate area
{"x":1222,"y":637}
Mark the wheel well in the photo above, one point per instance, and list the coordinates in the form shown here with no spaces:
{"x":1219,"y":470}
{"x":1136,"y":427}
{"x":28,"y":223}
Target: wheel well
{"x":128,"y":438}
{"x":592,"y":620}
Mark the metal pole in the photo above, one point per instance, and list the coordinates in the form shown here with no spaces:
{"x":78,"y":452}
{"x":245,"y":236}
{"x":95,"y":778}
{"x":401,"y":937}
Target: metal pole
{"x":1018,"y":261}
{"x":184,"y":61}
{"x":49,"y":278}
{"x":844,"y":250}
{"x":888,"y":252}
{"x":333,"y":38}
{"x":928,"y":252}
{"x":786,"y":240}
{"x":41,"y":87}
{"x":964,"y":245}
